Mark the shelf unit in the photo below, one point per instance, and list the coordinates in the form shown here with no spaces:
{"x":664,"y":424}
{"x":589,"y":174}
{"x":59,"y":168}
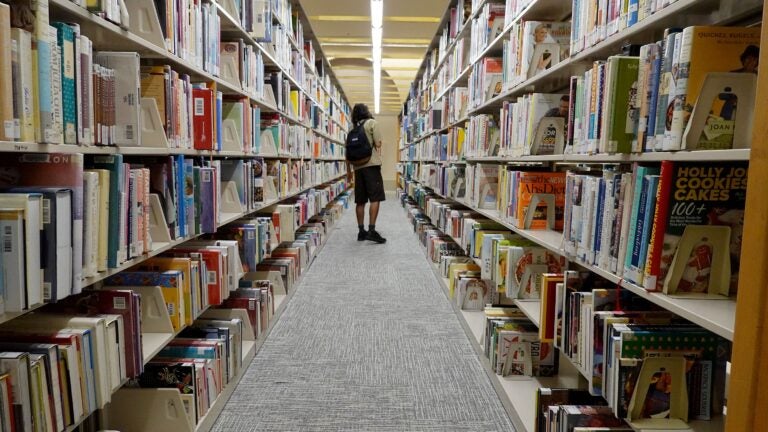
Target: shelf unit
{"x":518,"y":394}
{"x":322,"y":91}
{"x":737,"y":320}
{"x":156,"y":333}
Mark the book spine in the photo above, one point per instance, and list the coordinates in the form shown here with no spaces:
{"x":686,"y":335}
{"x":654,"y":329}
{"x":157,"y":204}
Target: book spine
{"x":7,"y":129}
{"x":665,"y":87}
{"x":56,"y":135}
{"x":650,"y":134}
{"x":637,"y":186}
{"x":674,"y":142}
{"x":651,"y":281}
{"x":27,"y":60}
{"x":66,"y":45}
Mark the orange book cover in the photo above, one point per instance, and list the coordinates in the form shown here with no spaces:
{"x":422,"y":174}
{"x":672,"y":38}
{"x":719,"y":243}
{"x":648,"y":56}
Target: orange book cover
{"x":534,"y":189}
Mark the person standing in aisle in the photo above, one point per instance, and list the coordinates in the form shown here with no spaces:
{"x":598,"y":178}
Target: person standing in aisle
{"x":369,"y":185}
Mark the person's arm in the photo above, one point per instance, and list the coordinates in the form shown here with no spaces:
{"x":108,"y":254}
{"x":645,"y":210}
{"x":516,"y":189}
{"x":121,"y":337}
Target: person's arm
{"x":377,"y":138}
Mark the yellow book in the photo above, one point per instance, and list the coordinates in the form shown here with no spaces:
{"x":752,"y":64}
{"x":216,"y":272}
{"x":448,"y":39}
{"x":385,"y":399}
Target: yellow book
{"x":295,"y":102}
{"x":153,"y":85}
{"x":184,"y":265}
{"x":707,"y":49}
{"x":453,"y":272}
{"x":35,"y":101}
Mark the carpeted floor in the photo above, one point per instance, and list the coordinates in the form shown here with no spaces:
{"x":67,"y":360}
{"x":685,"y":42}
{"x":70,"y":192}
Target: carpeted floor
{"x":368,"y":343}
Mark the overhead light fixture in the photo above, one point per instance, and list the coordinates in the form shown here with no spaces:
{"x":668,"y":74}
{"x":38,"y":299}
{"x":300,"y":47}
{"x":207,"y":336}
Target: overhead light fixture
{"x":377,"y":19}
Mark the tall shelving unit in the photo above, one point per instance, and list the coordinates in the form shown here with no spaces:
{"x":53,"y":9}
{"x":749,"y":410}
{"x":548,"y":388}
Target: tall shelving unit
{"x":740,"y":320}
{"x":318,"y":88}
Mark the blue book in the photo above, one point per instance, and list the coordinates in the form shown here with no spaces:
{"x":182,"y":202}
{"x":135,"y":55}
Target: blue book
{"x":650,"y":130}
{"x":632,"y":16}
{"x":179,"y":175}
{"x":598,"y":220}
{"x":639,"y":173}
{"x":189,"y":196}
{"x":66,"y":45}
{"x":651,"y":184}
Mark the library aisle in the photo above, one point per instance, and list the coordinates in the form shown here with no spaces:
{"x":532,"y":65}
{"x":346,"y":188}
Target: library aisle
{"x":368,"y":342}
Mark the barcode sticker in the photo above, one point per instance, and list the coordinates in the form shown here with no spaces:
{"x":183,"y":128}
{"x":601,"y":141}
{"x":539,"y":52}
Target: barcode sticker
{"x":7,"y":239}
{"x":199,"y":106}
{"x":47,"y":294}
{"x":46,"y":211}
{"x":10,"y":130}
{"x":212,"y":277}
{"x":118,"y":303}
{"x":251,"y":304}
{"x":171,"y":308}
{"x":250,"y":234}
{"x":206,"y":176}
{"x":129,"y":132}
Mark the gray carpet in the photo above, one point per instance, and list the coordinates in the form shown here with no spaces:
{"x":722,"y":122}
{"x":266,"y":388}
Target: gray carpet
{"x":369,"y":342}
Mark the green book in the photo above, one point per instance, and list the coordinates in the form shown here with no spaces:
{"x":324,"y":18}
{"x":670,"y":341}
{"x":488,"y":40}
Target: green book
{"x":619,"y":113}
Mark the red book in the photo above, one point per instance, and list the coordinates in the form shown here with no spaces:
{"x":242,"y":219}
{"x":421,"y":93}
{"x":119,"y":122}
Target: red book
{"x":251,"y":305}
{"x":652,"y":281}
{"x":203,"y":119}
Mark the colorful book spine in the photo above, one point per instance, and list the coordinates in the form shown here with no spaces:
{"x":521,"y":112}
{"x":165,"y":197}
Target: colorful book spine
{"x":66,"y":46}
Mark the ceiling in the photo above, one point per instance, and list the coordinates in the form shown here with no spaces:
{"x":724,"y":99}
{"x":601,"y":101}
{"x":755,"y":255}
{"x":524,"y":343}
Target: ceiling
{"x":343,"y":28}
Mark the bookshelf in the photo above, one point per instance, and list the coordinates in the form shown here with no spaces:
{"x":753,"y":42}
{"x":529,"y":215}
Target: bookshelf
{"x":424,"y":167}
{"x":300,"y":181}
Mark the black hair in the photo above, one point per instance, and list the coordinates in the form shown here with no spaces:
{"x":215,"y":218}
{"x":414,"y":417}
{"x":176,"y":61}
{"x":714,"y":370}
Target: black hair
{"x":565,"y":98}
{"x":360,"y":112}
{"x":750,"y":51}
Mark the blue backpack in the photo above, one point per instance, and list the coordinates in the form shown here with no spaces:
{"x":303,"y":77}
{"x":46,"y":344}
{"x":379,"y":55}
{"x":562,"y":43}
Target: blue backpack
{"x":359,"y":149}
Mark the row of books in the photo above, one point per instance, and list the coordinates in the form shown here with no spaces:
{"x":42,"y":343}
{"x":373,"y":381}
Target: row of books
{"x":673,"y":94}
{"x":486,"y":27}
{"x":675,"y":229}
{"x":93,"y":216}
{"x":618,"y":341}
{"x":88,"y":97}
{"x":534,"y":47}
{"x":63,"y":363}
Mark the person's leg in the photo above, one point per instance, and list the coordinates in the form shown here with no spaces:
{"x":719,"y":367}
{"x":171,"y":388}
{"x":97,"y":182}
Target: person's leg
{"x":375,"y":188}
{"x":373,"y":213}
{"x":361,"y":197}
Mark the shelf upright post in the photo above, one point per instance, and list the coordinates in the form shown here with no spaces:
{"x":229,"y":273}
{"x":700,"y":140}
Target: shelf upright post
{"x":747,"y":398}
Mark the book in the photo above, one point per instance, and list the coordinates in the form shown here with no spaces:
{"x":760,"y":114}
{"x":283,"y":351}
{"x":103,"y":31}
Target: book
{"x":617,"y":116}
{"x":32,"y":206}
{"x":7,"y":116}
{"x":66,"y":47}
{"x":127,"y":96}
{"x":697,"y":194}
{"x":706,"y":49}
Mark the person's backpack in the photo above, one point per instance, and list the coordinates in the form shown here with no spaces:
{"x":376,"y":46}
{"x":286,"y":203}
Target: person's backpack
{"x":359,"y":149}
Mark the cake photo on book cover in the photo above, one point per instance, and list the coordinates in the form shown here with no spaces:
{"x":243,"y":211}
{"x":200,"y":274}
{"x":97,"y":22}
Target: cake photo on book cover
{"x":703,"y":203}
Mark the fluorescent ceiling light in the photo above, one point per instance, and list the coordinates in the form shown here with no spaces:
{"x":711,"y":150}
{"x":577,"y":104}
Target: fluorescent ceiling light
{"x":377,"y":19}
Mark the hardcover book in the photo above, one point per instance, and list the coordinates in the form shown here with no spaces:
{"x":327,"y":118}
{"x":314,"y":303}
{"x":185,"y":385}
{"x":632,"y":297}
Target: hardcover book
{"x":697,"y":194}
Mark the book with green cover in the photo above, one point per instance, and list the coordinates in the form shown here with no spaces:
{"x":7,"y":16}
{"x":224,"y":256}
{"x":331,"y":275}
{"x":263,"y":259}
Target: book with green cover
{"x":619,"y":113}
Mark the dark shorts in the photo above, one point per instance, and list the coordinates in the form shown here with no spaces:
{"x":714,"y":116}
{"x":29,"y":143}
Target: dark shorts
{"x":369,"y":186}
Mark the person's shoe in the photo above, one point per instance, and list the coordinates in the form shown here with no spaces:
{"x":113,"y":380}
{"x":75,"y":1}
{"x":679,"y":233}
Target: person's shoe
{"x":362,"y":235}
{"x":374,"y":236}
